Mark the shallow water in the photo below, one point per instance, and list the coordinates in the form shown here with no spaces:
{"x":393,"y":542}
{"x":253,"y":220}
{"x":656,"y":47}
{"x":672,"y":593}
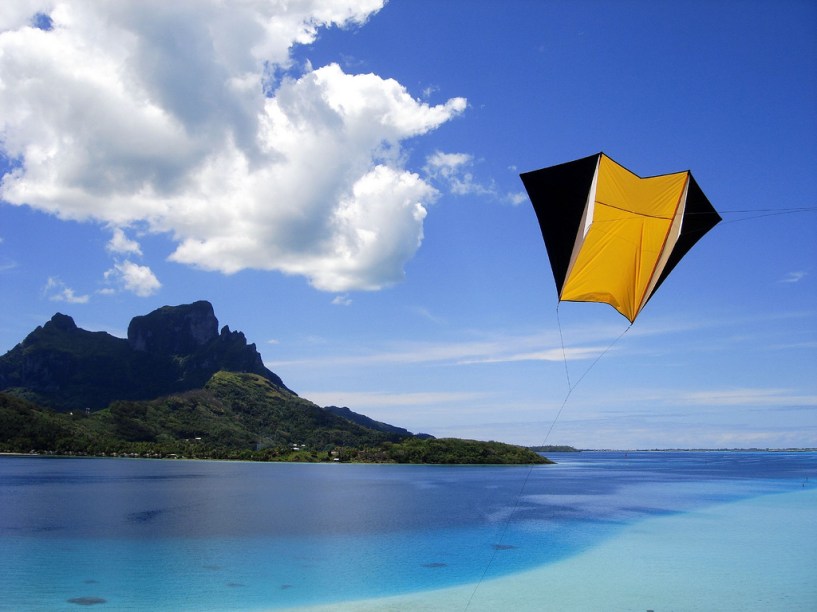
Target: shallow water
{"x":186,"y":535}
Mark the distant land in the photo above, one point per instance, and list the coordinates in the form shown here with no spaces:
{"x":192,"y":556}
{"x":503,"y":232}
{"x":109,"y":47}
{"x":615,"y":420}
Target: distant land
{"x":686,"y":450}
{"x":553,"y":448}
{"x":178,"y":387}
{"x":725,"y":450}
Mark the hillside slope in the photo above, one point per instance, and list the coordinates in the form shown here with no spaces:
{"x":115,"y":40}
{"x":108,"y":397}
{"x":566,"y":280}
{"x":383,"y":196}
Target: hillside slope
{"x":235,"y":416}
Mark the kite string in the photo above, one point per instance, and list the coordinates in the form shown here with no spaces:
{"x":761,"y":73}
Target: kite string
{"x":572,"y":387}
{"x":498,"y":546}
{"x":760,"y":213}
{"x":518,"y":499}
{"x":564,"y":352}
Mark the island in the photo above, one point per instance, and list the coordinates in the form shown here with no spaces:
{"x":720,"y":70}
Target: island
{"x":178,"y":388}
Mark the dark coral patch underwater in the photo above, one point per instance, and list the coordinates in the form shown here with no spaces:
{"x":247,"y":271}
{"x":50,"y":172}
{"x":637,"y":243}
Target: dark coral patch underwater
{"x":87,"y":601}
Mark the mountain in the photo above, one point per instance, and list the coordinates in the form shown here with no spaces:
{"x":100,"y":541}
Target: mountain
{"x":179,"y":387}
{"x":170,"y":350}
{"x":367,"y":422}
{"x":235,"y":415}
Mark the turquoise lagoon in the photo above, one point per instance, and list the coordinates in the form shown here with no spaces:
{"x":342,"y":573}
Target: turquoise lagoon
{"x":599,"y":530}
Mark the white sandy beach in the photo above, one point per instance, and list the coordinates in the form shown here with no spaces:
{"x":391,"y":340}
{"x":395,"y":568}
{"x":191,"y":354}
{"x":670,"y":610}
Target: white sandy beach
{"x":757,"y":554}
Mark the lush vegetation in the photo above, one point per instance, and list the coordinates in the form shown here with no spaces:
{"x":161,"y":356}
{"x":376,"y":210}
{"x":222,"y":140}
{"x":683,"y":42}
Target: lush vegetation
{"x":445,"y":450}
{"x":177,"y":387}
{"x":554,"y":448}
{"x":235,"y":416}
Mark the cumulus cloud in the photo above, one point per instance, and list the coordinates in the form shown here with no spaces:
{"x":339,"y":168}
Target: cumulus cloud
{"x":120,"y":243}
{"x":189,"y":119}
{"x":57,"y":291}
{"x":132,"y":277}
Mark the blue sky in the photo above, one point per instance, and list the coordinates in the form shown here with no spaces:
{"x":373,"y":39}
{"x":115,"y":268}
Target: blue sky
{"x":340,"y":180}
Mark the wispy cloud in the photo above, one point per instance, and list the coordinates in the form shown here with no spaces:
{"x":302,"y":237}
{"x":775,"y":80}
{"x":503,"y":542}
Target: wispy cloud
{"x":342,"y":300}
{"x":723,"y":328}
{"x":794,"y":277}
{"x":746,"y":397}
{"x":499,"y":349}
{"x":518,"y":197}
{"x":369,"y":399}
{"x":554,"y":354}
{"x":6,"y":264}
{"x":455,"y":172}
{"x":425,"y":313}
{"x":453,"y":169}
{"x":57,"y":291}
{"x":664,"y":401}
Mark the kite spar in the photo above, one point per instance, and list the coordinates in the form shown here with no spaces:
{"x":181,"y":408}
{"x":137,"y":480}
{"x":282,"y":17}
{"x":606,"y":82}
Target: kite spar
{"x":612,"y":236}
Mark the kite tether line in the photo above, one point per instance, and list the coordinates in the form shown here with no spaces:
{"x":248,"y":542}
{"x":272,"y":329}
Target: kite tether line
{"x":570,"y":388}
{"x":564,"y":198}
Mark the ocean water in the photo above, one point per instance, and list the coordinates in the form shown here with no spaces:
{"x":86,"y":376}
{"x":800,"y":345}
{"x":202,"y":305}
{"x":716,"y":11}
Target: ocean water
{"x":122,"y":534}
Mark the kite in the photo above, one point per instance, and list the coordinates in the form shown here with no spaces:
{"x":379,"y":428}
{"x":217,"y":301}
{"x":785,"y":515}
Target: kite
{"x":612,"y":236}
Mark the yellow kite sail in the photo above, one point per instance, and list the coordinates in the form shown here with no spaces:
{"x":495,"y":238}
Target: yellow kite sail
{"x":612,"y":236}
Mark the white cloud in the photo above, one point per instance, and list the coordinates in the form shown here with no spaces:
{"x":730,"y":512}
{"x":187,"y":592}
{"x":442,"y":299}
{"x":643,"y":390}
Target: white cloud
{"x":373,"y":399}
{"x":57,"y":291}
{"x":454,"y":172}
{"x":794,"y":277}
{"x":748,"y":397}
{"x":425,"y":313}
{"x":137,"y":279}
{"x":5,"y":263}
{"x":499,"y":349}
{"x":517,"y":198}
{"x":120,"y":243}
{"x":162,"y":120}
{"x":553,"y":354}
{"x":342,"y":300}
{"x":453,"y":169}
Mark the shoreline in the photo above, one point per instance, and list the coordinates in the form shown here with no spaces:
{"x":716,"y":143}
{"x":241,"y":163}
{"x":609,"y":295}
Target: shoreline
{"x":643,"y":567}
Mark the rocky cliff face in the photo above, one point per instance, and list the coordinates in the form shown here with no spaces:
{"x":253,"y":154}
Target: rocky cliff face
{"x":172,"y":349}
{"x":174,"y":330}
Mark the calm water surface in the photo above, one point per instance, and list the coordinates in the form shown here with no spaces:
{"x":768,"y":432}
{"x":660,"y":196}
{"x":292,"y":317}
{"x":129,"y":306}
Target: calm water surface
{"x":193,"y":535}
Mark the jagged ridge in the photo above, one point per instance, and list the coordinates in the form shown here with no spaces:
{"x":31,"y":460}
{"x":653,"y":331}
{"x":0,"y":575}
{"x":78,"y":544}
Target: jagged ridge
{"x":178,"y":387}
{"x":172,"y":349}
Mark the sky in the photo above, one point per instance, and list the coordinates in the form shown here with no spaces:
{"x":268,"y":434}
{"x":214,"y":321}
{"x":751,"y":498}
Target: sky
{"x":340,"y":179}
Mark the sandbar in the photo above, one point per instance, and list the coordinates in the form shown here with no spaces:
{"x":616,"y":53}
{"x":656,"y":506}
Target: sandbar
{"x":753,"y":554}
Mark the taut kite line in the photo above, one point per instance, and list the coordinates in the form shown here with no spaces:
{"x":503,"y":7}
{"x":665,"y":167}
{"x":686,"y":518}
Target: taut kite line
{"x":612,"y":236}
